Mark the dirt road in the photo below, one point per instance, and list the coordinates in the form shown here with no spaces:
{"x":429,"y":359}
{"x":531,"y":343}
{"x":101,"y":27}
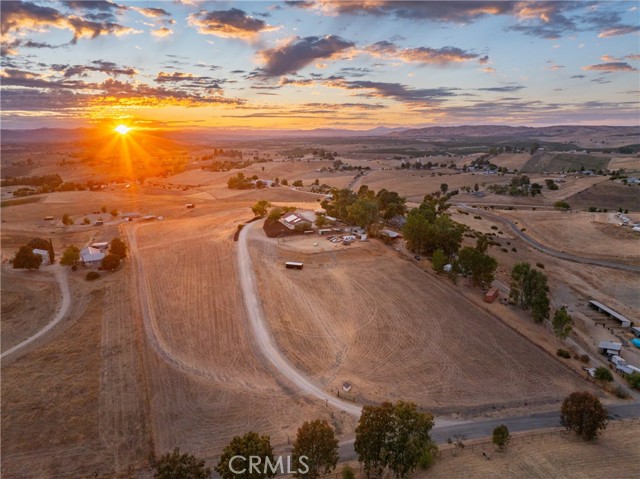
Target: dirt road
{"x":551,"y":252}
{"x":60,"y":274}
{"x":263,"y":337}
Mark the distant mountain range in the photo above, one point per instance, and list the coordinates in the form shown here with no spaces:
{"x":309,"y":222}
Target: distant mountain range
{"x":433,"y":133}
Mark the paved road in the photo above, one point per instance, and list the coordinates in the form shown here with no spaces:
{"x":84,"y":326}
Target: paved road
{"x":551,"y":252}
{"x":484,"y":428}
{"x":60,"y":274}
{"x":263,"y":337}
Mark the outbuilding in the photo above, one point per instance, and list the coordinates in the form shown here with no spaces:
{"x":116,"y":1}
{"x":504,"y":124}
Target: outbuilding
{"x":102,"y":245}
{"x":636,"y":331}
{"x":598,"y":306}
{"x":491,"y":295}
{"x":609,"y":348}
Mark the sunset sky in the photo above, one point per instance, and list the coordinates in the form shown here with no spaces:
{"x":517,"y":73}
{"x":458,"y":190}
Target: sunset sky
{"x":318,"y":64}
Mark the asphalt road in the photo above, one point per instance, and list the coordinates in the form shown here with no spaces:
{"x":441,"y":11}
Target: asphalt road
{"x":484,"y":428}
{"x":545,"y":249}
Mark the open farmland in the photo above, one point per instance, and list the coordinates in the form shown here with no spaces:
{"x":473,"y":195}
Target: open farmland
{"x":558,"y":162}
{"x":609,"y":194}
{"x":414,"y":184}
{"x":28,"y":302}
{"x":413,"y":343}
{"x":579,"y":233}
{"x":561,"y":455}
{"x":200,"y":354}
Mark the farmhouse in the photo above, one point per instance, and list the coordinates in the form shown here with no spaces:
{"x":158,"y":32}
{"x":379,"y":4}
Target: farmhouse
{"x":297,"y":218}
{"x":91,"y":257}
{"x":609,"y":348}
{"x":45,"y":255}
{"x":624,"y":322}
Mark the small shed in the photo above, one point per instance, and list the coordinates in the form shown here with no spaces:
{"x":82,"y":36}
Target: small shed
{"x":491,"y":295}
{"x":346,"y":387}
{"x":636,"y":331}
{"x":48,"y":218}
{"x":609,"y":348}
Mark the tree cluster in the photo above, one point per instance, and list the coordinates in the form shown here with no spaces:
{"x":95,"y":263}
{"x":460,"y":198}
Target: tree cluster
{"x":239,"y":182}
{"x":428,"y":228}
{"x":477,"y":263}
{"x":366,"y":207}
{"x":529,"y":289}
{"x":25,"y":258}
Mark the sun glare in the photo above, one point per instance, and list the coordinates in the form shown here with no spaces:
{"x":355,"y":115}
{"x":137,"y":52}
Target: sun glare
{"x":122,"y":129}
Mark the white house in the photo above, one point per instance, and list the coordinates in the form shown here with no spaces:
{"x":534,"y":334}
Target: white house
{"x":45,"y":255}
{"x":91,"y":257}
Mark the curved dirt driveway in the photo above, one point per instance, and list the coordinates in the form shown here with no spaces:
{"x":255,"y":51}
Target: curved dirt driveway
{"x":60,"y":274}
{"x":263,"y":337}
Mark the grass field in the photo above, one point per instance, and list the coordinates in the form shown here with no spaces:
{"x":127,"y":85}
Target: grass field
{"x":412,"y":343}
{"x":609,"y":194}
{"x":558,"y":162}
{"x":559,"y":456}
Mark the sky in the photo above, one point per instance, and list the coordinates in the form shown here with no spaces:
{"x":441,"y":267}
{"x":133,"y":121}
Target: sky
{"x":318,"y":64}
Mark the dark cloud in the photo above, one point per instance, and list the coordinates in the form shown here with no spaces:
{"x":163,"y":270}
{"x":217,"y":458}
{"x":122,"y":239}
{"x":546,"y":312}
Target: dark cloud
{"x":233,"y":23}
{"x":17,"y":16}
{"x":503,"y":89}
{"x":578,"y":76}
{"x":355,"y":72}
{"x":299,"y":52}
{"x":101,"y":66}
{"x":460,"y":12}
{"x":103,"y":6}
{"x":395,"y":91}
{"x":611,"y":67}
{"x":424,"y":55}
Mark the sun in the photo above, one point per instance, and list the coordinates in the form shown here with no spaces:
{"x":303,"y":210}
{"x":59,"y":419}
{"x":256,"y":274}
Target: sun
{"x":122,"y":129}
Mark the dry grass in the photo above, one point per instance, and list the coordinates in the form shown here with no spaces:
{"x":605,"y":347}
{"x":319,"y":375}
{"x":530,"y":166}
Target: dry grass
{"x":29,"y":300}
{"x":511,"y":160}
{"x":614,"y":454}
{"x":629,"y":164}
{"x":205,"y":362}
{"x":411,"y":343}
{"x":583,"y":234}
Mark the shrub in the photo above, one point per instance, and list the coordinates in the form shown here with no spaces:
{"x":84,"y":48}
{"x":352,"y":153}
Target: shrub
{"x":621,"y":392}
{"x":86,"y":221}
{"x":634,"y":380}
{"x":540,"y":265}
{"x":92,"y":275}
{"x":477,"y":217}
{"x":562,"y":205}
{"x":347,"y":472}
{"x":563,"y":353}
{"x":504,"y":250}
{"x":514,"y":249}
{"x":74,"y":268}
{"x":494,"y":227}
{"x":585,"y":358}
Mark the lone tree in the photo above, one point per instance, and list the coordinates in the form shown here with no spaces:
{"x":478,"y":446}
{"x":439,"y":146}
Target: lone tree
{"x":70,"y":256}
{"x":583,"y":413}
{"x":393,"y":436}
{"x":260,"y":208}
{"x":603,"y":374}
{"x":26,"y":259}
{"x":562,"y":323}
{"x":183,"y":466}
{"x":110,"y":262}
{"x":275,"y":213}
{"x":118,"y":248}
{"x":251,"y":444}
{"x":66,"y":220}
{"x":317,"y":441}
{"x":501,"y":436}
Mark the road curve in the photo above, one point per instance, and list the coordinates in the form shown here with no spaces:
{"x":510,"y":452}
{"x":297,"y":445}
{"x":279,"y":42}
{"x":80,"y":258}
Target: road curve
{"x":263,"y":337}
{"x":60,"y":274}
{"x":552,"y":252}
